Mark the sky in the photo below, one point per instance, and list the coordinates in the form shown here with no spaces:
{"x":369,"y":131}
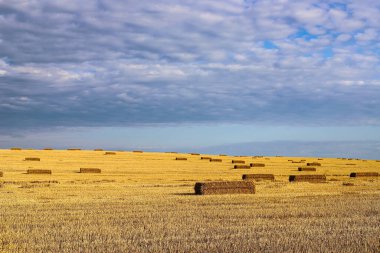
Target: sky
{"x":170,"y":74}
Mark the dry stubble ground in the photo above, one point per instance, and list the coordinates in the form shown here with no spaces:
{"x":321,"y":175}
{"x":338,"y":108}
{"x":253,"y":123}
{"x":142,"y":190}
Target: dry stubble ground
{"x":144,"y":202}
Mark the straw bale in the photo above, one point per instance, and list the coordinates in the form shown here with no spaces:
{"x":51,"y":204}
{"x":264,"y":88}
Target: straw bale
{"x":90,"y":170}
{"x":307,"y":178}
{"x":224,"y":187}
{"x":307,"y":169}
{"x":32,"y":159}
{"x":257,"y":164}
{"x":38,"y":171}
{"x":314,"y":164}
{"x":258,"y":177}
{"x":242,"y":167}
{"x":364,"y":174}
{"x":238,"y":161}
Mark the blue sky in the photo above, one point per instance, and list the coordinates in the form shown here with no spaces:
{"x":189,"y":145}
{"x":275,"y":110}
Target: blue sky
{"x":174,"y":74}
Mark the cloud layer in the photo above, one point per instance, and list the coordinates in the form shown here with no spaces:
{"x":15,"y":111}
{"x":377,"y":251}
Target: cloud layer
{"x":117,"y":63}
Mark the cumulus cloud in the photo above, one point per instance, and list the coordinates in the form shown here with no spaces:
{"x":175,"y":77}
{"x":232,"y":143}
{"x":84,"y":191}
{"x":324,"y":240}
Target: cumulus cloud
{"x":91,"y":63}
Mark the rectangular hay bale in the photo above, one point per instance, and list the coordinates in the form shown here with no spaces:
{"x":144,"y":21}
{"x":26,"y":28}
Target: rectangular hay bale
{"x":257,"y":164}
{"x":238,"y":161}
{"x":38,"y":171}
{"x":307,"y":169}
{"x":15,"y":148}
{"x":205,"y":158}
{"x":90,"y":170}
{"x":313,"y":164}
{"x":224,"y":187}
{"x":138,"y":151}
{"x":194,"y":154}
{"x":98,"y":149}
{"x":32,"y":159}
{"x":215,"y":160}
{"x":181,"y":158}
{"x":307,"y":178}
{"x":364,"y":174}
{"x":242,"y":167}
{"x":1,"y":174}
{"x":110,"y":153}
{"x":258,"y":177}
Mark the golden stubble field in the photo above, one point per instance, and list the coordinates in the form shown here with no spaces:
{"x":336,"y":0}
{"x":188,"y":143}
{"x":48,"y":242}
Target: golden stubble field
{"x":145,"y":202}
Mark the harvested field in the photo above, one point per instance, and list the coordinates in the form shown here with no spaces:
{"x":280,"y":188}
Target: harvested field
{"x":224,"y":187}
{"x":364,"y":174}
{"x":238,"y":161}
{"x":181,"y":158}
{"x":258,"y":177}
{"x":90,"y":170}
{"x":242,"y":167}
{"x":37,"y":159}
{"x":307,"y":178}
{"x":257,"y":164}
{"x":307,"y":169}
{"x":350,"y":163}
{"x":38,"y":171}
{"x":138,"y":198}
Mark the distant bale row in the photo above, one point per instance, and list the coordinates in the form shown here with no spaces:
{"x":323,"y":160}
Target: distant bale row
{"x":48,"y":149}
{"x":32,"y":159}
{"x":181,"y":158}
{"x":138,"y":151}
{"x":216,"y":160}
{"x":38,"y":171}
{"x":224,"y":187}
{"x":205,"y":158}
{"x":74,"y":149}
{"x":98,"y":149}
{"x":258,"y":177}
{"x":238,"y":161}
{"x":222,"y":155}
{"x":306,"y":169}
{"x":364,"y":174}
{"x":110,"y":153}
{"x":15,"y":148}
{"x":90,"y":170}
{"x":307,"y":178}
{"x":194,"y":154}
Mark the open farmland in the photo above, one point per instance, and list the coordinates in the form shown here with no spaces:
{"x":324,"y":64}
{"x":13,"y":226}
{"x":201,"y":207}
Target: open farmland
{"x":145,"y":202}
